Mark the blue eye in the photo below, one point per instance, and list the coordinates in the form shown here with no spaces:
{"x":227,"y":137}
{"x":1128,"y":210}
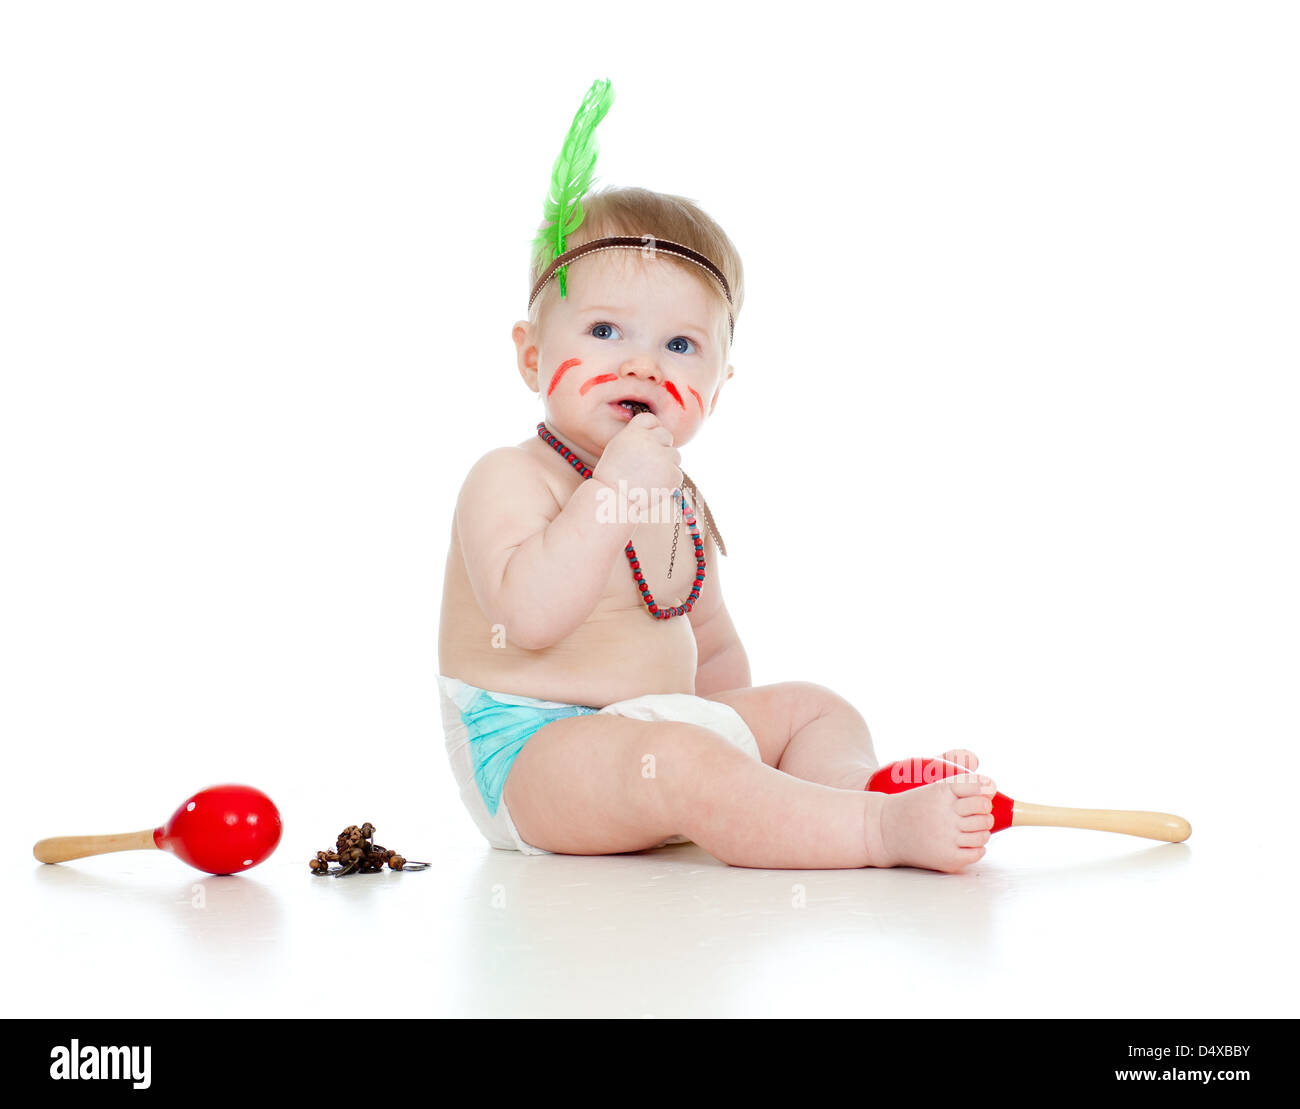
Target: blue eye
{"x":680,"y":339}
{"x":604,"y":330}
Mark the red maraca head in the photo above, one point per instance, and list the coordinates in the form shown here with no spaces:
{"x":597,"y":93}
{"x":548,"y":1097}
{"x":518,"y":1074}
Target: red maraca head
{"x":222,"y":829}
{"x":894,"y":777}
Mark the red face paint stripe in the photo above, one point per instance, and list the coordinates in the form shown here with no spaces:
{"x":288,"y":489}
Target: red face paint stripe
{"x":599,"y":379}
{"x":563,"y":368}
{"x":672,"y":392}
{"x":698,"y":399}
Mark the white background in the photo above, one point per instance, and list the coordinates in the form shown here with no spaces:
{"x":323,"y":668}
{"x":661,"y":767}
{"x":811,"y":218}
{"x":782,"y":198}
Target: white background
{"x":1015,"y":384}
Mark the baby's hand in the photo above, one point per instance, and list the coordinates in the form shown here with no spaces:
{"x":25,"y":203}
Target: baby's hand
{"x":641,"y":454}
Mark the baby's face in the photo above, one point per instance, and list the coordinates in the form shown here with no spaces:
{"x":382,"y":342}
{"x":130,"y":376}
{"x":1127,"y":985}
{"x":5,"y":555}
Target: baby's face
{"x":628,"y":329}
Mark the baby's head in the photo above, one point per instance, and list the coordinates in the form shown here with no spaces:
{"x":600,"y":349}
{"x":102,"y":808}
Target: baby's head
{"x":633,"y":324}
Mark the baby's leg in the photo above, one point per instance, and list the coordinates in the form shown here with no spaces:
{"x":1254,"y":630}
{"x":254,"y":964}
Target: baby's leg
{"x":806,"y":730}
{"x":600,"y":784}
{"x":812,"y":732}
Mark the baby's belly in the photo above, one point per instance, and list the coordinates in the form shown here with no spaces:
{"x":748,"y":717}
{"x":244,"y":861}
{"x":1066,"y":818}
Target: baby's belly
{"x":619,"y":652}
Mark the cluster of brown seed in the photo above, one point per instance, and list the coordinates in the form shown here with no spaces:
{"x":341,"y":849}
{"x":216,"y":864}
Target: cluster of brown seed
{"x":355,"y":854}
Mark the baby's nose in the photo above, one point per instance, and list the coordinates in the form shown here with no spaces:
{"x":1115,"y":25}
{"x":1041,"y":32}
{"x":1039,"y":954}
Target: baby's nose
{"x":641,"y":366}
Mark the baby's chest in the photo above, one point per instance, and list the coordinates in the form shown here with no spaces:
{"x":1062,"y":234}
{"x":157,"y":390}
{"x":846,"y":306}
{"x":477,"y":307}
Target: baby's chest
{"x":663,"y":554}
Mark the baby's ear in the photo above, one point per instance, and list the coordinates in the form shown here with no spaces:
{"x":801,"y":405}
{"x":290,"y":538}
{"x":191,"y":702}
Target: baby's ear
{"x":526,"y":352}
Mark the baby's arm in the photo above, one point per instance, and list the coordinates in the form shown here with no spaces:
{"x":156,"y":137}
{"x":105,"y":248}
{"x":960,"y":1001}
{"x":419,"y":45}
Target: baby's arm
{"x":536,"y":573}
{"x":721,"y":662}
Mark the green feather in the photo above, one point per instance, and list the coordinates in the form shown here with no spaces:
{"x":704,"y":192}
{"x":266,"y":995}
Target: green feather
{"x":571,"y":177}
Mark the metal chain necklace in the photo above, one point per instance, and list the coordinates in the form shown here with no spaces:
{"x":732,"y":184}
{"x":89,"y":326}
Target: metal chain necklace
{"x":679,"y":495}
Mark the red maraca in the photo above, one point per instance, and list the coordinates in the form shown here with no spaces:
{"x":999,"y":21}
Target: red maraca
{"x":222,"y":829}
{"x":895,"y":777}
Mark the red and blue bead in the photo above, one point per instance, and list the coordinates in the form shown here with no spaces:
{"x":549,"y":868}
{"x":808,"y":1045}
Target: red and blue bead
{"x":687,"y":514}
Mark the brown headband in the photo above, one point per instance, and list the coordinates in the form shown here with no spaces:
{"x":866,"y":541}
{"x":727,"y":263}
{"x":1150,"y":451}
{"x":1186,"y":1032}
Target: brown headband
{"x":646,"y":243}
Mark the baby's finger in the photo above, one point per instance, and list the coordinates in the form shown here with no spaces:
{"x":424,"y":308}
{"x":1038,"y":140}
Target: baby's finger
{"x":648,"y":421}
{"x":981,"y":823}
{"x":969,"y":785}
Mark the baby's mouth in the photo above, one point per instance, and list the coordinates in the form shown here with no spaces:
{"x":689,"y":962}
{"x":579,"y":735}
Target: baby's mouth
{"x":636,"y":407}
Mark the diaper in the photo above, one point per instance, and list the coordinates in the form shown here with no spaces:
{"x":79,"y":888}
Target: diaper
{"x":485,"y":731}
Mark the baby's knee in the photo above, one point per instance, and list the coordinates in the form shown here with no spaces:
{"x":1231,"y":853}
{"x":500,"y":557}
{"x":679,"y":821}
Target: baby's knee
{"x":811,"y":700}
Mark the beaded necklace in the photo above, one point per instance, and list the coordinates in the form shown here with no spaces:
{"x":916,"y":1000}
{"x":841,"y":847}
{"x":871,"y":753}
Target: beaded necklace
{"x":646,"y":596}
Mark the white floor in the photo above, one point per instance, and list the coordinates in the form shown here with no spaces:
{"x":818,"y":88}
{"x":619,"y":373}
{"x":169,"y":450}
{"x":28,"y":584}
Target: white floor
{"x":1051,"y":923}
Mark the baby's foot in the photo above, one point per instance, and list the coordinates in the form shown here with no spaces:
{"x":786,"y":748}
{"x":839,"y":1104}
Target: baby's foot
{"x":940,"y":826}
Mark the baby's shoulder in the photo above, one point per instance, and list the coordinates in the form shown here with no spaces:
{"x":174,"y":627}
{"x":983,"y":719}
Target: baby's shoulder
{"x":512,"y":472}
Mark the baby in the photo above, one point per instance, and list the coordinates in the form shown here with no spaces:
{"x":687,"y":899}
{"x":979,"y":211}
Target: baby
{"x":592,"y":703}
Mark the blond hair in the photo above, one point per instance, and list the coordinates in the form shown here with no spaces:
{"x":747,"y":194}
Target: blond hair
{"x":636,"y":211}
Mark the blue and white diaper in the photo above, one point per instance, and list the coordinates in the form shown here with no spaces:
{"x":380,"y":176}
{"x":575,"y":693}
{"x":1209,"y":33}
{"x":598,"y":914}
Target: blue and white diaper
{"x":485,"y":732}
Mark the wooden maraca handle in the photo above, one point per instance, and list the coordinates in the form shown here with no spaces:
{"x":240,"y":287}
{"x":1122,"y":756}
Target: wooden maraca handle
{"x":60,"y":849}
{"x":1152,"y":825}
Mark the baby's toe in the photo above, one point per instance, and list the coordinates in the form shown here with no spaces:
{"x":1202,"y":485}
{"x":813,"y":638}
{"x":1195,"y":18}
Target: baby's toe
{"x":973,"y":806}
{"x":961,"y":857}
{"x":971,"y":785}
